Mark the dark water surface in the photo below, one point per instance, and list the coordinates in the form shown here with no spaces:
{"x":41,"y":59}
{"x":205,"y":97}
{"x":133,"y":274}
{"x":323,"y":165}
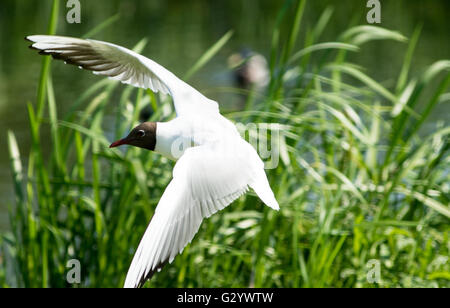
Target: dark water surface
{"x":179,"y":32}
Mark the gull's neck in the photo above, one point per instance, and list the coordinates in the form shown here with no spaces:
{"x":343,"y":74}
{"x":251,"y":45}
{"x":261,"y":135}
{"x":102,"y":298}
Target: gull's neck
{"x":171,"y":139}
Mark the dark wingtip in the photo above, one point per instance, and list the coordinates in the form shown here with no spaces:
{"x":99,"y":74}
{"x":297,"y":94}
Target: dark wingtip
{"x":27,"y":38}
{"x":146,"y":278}
{"x":43,"y":52}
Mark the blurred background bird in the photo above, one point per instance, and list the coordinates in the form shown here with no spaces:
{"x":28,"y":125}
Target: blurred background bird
{"x":249,"y":69}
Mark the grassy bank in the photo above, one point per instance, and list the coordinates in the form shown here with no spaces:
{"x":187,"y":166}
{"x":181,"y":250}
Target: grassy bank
{"x":360,"y":183}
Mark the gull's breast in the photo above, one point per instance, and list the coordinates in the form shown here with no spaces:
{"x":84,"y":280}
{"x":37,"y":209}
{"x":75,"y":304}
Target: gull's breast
{"x":173,"y":138}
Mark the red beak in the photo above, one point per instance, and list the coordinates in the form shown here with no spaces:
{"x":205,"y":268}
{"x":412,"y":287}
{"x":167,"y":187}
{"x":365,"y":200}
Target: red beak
{"x":119,"y":143}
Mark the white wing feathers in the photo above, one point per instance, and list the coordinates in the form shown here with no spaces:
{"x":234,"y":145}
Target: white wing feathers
{"x":122,"y":64}
{"x":204,"y":181}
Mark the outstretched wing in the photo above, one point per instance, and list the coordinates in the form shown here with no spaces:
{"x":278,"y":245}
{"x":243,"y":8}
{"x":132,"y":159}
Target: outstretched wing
{"x":122,"y":64}
{"x":205,"y":180}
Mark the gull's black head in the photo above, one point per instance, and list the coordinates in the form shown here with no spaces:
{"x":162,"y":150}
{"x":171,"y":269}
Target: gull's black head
{"x":142,"y":136}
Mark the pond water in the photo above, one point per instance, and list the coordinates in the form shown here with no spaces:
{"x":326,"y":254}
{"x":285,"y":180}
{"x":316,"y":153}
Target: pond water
{"x":178,"y":33}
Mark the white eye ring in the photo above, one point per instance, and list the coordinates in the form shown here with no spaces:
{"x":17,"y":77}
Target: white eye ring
{"x":141,"y":133}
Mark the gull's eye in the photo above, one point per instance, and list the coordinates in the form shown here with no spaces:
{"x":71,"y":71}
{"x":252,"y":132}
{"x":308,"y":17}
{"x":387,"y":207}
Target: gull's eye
{"x":141,"y":133}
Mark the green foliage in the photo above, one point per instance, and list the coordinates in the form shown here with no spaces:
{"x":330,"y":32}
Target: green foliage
{"x":358,"y":179}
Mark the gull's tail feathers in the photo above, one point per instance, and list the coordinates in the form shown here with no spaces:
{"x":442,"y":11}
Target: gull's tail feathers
{"x":262,"y":188}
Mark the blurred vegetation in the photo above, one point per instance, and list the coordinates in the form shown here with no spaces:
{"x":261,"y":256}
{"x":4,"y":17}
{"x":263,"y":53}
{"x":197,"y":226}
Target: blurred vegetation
{"x":357,"y":181}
